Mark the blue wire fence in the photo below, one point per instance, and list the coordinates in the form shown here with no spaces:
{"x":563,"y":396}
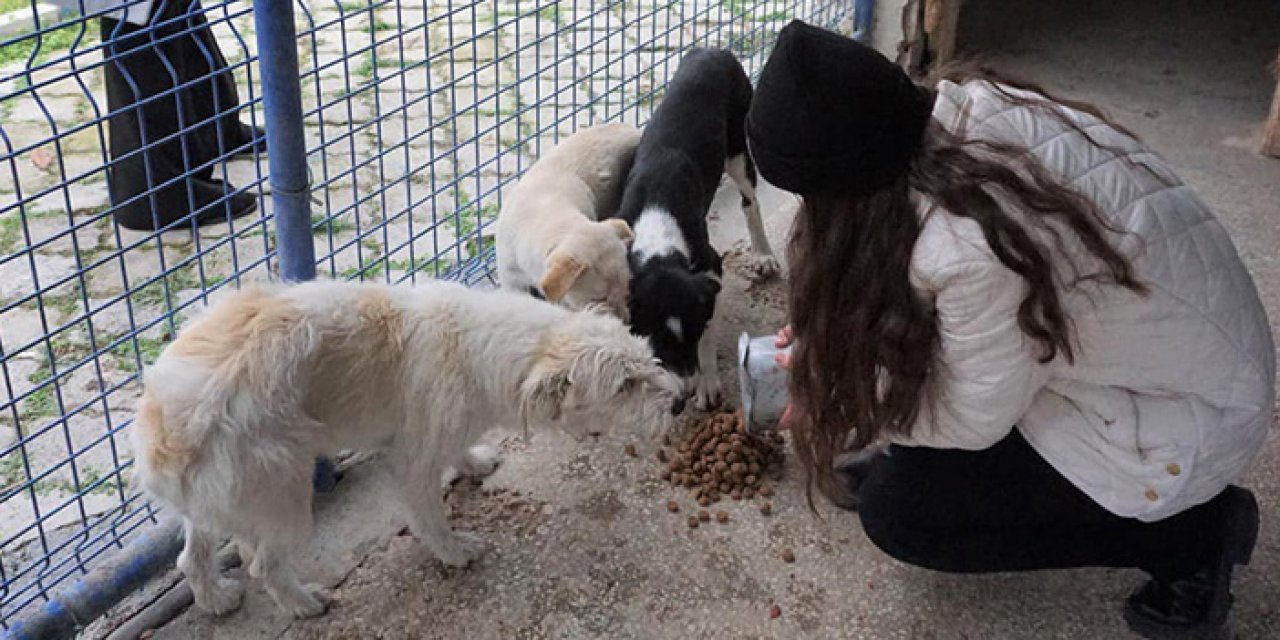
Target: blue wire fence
{"x":415,"y":116}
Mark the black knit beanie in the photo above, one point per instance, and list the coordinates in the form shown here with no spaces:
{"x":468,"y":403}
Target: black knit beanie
{"x":833,"y":116}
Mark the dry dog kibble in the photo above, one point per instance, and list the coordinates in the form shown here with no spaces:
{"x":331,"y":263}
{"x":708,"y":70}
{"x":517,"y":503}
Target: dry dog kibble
{"x":630,"y":449}
{"x":722,"y":516}
{"x":704,"y":516}
{"x":673,"y":506}
{"x":788,"y":555}
{"x":766,"y":491}
{"x":704,"y":501}
{"x":766,"y":508}
{"x":719,"y":459}
{"x":693,"y":522}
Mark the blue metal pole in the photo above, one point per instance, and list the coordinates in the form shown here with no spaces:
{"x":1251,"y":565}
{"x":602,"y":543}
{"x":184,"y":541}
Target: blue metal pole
{"x":862,"y":10}
{"x":287,"y":156}
{"x":286,"y":144}
{"x":89,"y":597}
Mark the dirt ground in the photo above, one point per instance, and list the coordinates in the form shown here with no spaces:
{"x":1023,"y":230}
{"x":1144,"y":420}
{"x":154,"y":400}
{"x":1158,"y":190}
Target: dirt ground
{"x":583,"y":546}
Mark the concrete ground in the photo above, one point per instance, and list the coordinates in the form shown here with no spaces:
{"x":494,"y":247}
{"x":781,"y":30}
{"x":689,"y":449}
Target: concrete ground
{"x":582,"y":544}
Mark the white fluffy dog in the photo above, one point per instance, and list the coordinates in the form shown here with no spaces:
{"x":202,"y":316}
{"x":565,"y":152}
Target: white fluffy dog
{"x":551,"y":236}
{"x":235,"y":411}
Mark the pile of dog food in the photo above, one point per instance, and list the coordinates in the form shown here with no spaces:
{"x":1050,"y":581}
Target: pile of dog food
{"x":719,"y":460}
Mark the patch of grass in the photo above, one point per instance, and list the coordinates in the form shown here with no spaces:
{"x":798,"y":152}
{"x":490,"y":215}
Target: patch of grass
{"x":505,"y":109}
{"x":184,"y":277}
{"x":12,"y":472}
{"x":40,"y":404}
{"x":10,"y":233}
{"x":68,"y":349}
{"x":67,"y":304}
{"x":550,"y":12}
{"x":322,"y":224}
{"x":147,"y":351}
{"x":47,"y":44}
{"x":365,"y":70}
{"x":430,"y":267}
{"x":776,"y":16}
{"x":379,"y":24}
{"x":738,"y":6}
{"x":87,"y":478}
{"x":468,"y":221}
{"x":352,"y":6}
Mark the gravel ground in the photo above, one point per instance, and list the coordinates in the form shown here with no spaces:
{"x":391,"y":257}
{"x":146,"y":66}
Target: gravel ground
{"x":583,"y":545}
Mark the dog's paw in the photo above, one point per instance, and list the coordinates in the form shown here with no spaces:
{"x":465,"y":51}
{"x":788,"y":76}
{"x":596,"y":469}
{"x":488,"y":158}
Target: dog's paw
{"x":313,"y":600}
{"x":461,"y":549}
{"x":707,"y":392}
{"x":762,"y":266}
{"x":223,"y":598}
{"x":480,"y":461}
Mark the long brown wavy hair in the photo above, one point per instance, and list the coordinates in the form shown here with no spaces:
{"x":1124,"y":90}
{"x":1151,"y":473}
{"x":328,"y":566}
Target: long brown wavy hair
{"x":866,"y":347}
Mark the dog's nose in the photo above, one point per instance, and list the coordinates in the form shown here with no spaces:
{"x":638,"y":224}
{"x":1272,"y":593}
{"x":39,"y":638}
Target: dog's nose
{"x":677,"y":407}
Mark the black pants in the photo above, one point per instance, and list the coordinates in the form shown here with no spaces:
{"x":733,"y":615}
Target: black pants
{"x":144,"y":62}
{"x":1006,"y":509}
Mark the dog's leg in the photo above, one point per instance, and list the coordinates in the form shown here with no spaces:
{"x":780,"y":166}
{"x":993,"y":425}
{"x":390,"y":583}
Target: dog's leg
{"x":199,"y":563}
{"x":283,"y":523}
{"x":479,"y":462}
{"x":425,"y":508}
{"x":707,"y":390}
{"x":273,"y":562}
{"x":763,"y":264}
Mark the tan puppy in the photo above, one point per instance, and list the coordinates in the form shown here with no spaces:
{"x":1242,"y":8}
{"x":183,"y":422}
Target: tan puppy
{"x":551,"y":240}
{"x":235,"y":410}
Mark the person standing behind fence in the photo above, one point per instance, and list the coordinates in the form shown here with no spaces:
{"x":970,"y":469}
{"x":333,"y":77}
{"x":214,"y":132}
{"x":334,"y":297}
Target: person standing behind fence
{"x":174,"y":113}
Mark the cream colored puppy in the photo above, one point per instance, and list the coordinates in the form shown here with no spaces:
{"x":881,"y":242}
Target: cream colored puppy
{"x":235,"y":411}
{"x":550,"y":237}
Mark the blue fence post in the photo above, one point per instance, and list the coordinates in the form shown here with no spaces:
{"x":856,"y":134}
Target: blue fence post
{"x":287,"y":156}
{"x":862,"y":13}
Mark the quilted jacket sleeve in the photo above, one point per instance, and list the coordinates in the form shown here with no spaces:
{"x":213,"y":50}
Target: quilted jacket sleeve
{"x":988,"y":371}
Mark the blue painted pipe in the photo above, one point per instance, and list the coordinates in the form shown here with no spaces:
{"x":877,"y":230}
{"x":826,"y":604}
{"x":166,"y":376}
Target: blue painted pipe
{"x":862,"y":11}
{"x":117,"y":576}
{"x":286,"y":144}
{"x":287,"y":157}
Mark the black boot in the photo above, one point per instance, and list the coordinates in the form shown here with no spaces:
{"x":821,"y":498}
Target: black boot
{"x":1196,"y":606}
{"x":246,"y":140}
{"x":223,"y":204}
{"x":850,"y":471}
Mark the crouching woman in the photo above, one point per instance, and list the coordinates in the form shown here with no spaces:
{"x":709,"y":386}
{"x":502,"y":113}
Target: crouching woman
{"x":1054,"y":337}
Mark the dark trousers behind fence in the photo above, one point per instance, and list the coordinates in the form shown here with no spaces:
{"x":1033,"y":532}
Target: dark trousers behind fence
{"x":175,"y":109}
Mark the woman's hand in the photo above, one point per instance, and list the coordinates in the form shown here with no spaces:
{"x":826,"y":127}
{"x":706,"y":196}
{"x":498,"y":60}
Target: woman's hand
{"x":782,"y":341}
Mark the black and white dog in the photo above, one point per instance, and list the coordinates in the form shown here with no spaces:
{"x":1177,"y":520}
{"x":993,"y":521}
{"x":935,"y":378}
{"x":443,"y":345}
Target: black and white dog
{"x":695,"y":136}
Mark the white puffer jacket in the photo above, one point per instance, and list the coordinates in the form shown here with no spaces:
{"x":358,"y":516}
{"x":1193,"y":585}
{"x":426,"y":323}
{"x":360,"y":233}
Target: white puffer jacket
{"x":1170,"y":395}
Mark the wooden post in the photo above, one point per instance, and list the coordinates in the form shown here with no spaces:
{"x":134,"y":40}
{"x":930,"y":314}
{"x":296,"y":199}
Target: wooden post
{"x":1271,"y":133}
{"x":941,"y":18}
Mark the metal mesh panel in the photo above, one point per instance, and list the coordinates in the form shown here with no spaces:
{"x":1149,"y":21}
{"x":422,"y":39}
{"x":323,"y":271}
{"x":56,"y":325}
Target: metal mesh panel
{"x":416,"y":116}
